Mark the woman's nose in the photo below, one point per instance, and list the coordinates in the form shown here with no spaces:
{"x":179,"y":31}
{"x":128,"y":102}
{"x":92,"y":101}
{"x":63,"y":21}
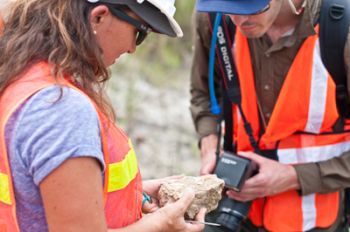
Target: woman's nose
{"x":132,"y":47}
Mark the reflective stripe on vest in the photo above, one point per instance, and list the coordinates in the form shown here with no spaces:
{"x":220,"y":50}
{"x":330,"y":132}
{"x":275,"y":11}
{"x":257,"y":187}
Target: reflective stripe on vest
{"x":5,"y":189}
{"x":306,"y":103}
{"x":123,"y":185}
{"x":318,"y":95}
{"x":306,"y":155}
{"x":123,"y":172}
{"x":312,"y":154}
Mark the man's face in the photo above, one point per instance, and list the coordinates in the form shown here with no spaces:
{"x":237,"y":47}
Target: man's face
{"x":254,"y":26}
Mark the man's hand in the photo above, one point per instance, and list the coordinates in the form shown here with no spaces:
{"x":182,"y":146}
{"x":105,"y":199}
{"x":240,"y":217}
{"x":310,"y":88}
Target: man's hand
{"x":272,"y":178}
{"x":208,"y":157}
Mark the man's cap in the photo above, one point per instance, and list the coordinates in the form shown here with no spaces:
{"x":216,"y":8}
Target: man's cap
{"x":159,"y":14}
{"x":237,"y":7}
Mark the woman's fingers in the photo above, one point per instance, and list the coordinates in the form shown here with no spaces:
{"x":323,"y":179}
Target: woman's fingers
{"x":201,"y":214}
{"x":149,"y":207}
{"x":193,"y":226}
{"x":184,"y":202}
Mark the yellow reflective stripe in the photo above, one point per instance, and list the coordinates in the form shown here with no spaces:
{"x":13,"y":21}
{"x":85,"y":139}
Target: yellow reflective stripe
{"x":123,"y":172}
{"x":4,"y":189}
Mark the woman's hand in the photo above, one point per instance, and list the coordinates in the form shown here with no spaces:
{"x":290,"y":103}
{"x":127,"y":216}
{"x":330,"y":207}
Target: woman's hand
{"x":149,"y":205}
{"x":151,"y":188}
{"x":171,"y":216}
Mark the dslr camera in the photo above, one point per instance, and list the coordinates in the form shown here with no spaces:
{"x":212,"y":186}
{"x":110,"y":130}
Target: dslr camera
{"x":234,"y":170}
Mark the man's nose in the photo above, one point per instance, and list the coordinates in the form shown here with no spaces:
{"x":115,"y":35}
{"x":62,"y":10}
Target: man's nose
{"x":238,"y":20}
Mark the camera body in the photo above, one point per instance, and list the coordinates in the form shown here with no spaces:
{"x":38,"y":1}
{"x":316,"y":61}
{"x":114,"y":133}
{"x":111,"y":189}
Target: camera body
{"x":234,"y":170}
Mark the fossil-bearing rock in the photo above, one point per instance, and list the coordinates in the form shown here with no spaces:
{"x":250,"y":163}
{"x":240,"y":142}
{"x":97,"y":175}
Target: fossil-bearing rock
{"x":207,"y":190}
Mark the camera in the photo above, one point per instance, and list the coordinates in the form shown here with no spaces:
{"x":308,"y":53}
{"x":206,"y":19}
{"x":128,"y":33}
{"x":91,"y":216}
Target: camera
{"x":234,"y":170}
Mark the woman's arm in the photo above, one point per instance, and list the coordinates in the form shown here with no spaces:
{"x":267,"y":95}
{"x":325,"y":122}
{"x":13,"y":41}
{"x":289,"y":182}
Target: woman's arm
{"x":73,"y":201}
{"x":73,"y":196}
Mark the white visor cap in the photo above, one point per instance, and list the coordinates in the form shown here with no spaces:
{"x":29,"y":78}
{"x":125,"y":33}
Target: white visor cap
{"x":159,"y":14}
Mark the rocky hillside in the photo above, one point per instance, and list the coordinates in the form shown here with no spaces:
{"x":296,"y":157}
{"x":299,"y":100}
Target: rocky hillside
{"x":155,"y":114}
{"x":150,"y":91}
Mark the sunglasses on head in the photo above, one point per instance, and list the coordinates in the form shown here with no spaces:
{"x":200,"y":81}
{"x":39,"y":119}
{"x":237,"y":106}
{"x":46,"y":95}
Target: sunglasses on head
{"x":143,"y":29}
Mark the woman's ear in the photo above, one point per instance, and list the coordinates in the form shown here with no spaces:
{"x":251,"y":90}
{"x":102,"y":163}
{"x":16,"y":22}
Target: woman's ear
{"x":98,"y":15}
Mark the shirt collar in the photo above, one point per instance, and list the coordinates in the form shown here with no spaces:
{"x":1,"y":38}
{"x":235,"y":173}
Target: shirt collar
{"x":304,"y":29}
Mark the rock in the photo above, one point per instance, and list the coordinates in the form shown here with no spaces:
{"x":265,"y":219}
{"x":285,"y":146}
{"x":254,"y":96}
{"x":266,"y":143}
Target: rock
{"x":207,"y":192}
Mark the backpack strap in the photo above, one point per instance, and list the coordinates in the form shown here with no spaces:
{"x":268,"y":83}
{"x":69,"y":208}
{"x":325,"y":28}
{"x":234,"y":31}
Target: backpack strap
{"x":334,"y":29}
{"x":334,"y":26}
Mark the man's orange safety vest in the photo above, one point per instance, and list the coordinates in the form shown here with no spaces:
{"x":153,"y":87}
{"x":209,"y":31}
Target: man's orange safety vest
{"x":122,"y":179}
{"x":307,"y":104}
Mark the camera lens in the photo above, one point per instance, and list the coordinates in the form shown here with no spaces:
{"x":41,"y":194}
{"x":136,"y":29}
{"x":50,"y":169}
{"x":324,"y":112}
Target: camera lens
{"x":228,"y":221}
{"x":231,"y":213}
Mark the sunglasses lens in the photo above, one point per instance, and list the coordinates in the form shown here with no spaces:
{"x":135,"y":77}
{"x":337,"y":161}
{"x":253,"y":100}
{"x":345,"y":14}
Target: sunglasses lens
{"x":263,"y":10}
{"x":141,"y":36}
{"x":266,"y":8}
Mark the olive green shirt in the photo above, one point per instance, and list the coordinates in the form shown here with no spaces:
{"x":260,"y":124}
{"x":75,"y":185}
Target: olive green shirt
{"x":271,"y":63}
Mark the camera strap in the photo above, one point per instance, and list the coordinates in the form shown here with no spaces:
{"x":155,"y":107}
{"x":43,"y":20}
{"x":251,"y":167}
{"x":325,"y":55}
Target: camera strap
{"x":227,"y":67}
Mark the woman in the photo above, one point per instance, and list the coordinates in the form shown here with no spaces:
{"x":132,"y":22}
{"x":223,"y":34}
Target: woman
{"x":64,"y":165}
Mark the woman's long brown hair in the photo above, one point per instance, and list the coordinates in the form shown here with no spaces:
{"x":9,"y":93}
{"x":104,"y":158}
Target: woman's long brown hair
{"x":57,"y":31}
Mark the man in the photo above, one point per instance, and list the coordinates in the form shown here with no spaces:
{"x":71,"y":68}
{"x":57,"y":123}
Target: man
{"x":275,"y":58}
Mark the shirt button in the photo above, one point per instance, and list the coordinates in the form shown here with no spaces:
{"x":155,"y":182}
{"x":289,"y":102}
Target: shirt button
{"x":268,"y":115}
{"x":266,"y":87}
{"x":267,"y":54}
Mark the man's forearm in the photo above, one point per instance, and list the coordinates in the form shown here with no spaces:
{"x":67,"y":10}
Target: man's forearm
{"x":326,"y":176}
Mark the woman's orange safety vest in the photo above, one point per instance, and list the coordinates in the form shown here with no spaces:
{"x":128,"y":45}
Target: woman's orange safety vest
{"x":1,"y":24}
{"x":306,"y":103}
{"x":122,"y":179}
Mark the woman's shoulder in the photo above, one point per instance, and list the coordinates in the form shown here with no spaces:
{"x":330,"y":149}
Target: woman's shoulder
{"x":56,"y":123}
{"x":57,"y":109}
{"x":58,"y":101}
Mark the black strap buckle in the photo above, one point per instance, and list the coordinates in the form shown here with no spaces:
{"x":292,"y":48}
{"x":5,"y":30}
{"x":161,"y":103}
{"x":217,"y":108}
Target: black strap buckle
{"x":336,"y":12}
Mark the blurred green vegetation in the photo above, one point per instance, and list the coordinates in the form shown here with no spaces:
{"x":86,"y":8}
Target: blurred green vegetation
{"x":162,"y":60}
{"x":149,"y":90}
